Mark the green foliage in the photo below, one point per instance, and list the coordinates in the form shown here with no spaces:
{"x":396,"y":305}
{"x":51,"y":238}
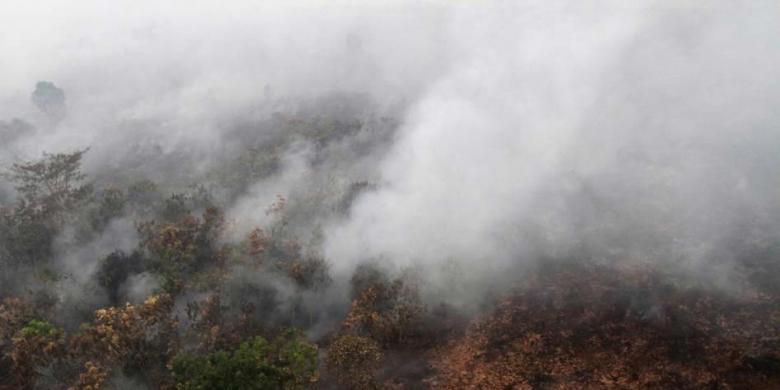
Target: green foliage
{"x":39,"y":328}
{"x":288,"y":362}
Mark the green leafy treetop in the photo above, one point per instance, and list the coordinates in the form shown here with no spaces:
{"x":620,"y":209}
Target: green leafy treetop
{"x":289,"y":362}
{"x":39,"y":328}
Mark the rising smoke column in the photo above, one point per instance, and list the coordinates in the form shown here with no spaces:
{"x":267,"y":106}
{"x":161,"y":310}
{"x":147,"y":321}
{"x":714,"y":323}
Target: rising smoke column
{"x":610,"y":131}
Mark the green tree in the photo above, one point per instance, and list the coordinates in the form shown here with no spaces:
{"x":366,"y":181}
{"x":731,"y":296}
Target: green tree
{"x":289,"y":362}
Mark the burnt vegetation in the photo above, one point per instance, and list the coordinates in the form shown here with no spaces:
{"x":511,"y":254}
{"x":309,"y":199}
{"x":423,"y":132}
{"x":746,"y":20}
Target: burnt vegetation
{"x":198,"y":302}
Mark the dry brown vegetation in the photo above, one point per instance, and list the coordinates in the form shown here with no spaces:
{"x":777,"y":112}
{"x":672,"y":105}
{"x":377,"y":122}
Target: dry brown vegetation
{"x":221,"y":304}
{"x":586,"y":327}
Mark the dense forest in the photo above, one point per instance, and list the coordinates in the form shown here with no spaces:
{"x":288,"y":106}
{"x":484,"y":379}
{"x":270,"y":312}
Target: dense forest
{"x":396,"y":196}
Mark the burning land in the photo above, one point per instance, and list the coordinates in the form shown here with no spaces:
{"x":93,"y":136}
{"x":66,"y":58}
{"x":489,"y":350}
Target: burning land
{"x":391,"y":195}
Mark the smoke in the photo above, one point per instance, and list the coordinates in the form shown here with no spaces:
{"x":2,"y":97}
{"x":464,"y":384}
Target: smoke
{"x":606,"y":131}
{"x":643,"y":131}
{"x":76,"y":264}
{"x":188,"y":68}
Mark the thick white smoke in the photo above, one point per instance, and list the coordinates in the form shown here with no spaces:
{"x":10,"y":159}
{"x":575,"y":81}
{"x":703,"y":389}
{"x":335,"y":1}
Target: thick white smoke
{"x":603,"y":129}
{"x":615,"y":131}
{"x":179,"y":74}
